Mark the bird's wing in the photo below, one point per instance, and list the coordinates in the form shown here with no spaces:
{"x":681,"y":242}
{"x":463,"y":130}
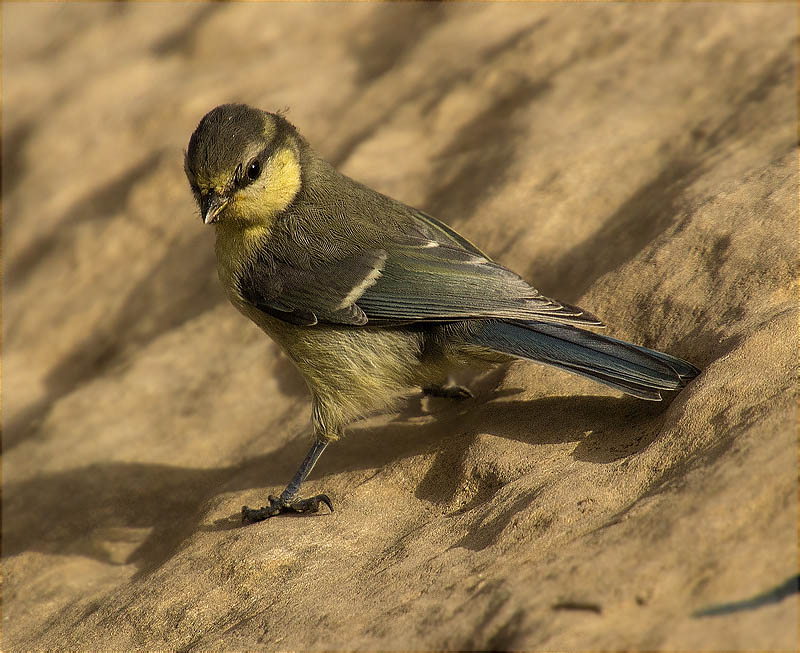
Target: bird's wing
{"x":431,"y":281}
{"x":436,"y":230}
{"x":413,"y":279}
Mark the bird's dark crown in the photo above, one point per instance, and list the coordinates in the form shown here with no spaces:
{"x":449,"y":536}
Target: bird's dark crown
{"x":225,"y":137}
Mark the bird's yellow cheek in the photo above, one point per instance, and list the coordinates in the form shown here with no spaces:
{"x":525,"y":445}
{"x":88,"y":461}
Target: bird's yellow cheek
{"x":273,"y":192}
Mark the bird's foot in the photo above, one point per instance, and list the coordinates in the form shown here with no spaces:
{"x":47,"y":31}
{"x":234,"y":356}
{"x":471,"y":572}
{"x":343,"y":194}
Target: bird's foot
{"x":277,"y":506}
{"x":457,"y":392}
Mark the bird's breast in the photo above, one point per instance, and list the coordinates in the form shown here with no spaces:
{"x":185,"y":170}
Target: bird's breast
{"x":237,"y":249}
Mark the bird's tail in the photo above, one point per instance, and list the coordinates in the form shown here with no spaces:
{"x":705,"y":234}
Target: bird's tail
{"x":635,"y":370}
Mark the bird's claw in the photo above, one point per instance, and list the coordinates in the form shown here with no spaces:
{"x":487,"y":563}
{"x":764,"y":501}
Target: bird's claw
{"x":457,"y":392}
{"x":277,"y":506}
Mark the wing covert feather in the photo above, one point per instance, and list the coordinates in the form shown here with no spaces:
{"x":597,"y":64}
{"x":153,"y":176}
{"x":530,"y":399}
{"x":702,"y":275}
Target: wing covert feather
{"x":325,"y":293}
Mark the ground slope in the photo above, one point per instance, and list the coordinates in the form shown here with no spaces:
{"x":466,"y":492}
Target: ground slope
{"x":639,"y":160}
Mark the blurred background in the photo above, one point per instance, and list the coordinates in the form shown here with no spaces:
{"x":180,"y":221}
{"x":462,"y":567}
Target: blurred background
{"x":636,"y":159}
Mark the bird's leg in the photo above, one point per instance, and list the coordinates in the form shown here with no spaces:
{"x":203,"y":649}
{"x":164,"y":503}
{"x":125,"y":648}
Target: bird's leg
{"x":457,"y":392}
{"x":288,"y":501}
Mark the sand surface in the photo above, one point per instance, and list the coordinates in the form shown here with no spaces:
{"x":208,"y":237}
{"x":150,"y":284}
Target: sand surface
{"x":639,"y":160}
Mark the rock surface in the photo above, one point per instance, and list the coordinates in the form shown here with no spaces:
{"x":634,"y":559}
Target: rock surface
{"x":639,"y":160}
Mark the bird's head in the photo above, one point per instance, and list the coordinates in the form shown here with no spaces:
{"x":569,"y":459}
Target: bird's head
{"x":243,"y":165}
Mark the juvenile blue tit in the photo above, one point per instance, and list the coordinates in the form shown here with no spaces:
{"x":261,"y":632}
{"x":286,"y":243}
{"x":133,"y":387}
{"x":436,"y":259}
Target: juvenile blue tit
{"x":370,"y":297}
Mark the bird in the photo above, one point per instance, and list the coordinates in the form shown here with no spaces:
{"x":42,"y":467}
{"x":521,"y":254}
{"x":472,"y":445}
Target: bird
{"x":370,"y":297}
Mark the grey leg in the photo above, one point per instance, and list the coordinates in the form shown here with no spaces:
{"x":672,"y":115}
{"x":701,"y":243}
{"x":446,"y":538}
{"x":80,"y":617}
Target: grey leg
{"x":288,"y":501}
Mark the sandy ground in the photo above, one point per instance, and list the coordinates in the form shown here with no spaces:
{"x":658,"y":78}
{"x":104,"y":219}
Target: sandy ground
{"x":640,"y":160}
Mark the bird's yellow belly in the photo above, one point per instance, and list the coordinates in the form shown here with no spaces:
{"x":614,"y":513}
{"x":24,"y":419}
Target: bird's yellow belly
{"x":350,"y":371}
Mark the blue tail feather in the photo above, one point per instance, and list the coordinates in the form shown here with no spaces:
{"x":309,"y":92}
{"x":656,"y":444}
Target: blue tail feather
{"x":632,"y":369}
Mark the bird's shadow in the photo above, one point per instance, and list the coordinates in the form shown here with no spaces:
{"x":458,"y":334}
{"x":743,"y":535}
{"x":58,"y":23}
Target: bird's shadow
{"x":137,"y":513}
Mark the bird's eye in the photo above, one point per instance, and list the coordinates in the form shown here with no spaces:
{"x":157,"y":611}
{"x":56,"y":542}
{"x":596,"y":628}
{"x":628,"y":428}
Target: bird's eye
{"x":254,"y":170}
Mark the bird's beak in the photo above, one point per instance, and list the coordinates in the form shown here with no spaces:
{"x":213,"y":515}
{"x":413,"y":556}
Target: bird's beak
{"x":211,"y":206}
